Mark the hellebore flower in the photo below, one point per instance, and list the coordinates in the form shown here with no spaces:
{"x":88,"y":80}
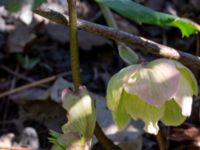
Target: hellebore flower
{"x":160,"y":90}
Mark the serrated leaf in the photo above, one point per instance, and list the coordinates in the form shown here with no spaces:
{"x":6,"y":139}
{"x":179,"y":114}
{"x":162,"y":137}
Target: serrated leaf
{"x":142,"y":14}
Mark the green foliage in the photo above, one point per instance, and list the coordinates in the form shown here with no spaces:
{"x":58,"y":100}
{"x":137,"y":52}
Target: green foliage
{"x":142,"y":14}
{"x":26,"y":62}
{"x":128,"y":55}
{"x":55,"y":140}
{"x":15,"y":5}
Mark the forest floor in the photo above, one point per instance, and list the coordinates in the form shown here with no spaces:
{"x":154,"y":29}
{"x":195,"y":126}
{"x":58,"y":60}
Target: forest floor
{"x":39,"y":54}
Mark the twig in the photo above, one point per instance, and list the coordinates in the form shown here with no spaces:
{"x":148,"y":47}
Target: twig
{"x":15,"y":73}
{"x":15,"y":148}
{"x":137,"y":41}
{"x":31,"y":85}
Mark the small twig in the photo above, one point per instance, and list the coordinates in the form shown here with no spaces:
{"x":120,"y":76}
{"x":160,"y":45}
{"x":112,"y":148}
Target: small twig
{"x":13,"y":82}
{"x":15,"y":73}
{"x":137,"y":41}
{"x":31,"y":85}
{"x":15,"y":148}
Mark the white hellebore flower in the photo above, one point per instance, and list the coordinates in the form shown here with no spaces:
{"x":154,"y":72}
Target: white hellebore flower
{"x":160,"y":90}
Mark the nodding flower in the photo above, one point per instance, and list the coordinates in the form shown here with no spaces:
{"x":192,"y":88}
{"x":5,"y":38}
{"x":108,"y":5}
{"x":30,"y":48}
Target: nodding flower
{"x":160,"y":90}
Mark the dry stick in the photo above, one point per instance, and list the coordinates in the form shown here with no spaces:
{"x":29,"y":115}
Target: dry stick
{"x":15,"y":148}
{"x":136,"y":41}
{"x":15,"y":73}
{"x":31,"y":85}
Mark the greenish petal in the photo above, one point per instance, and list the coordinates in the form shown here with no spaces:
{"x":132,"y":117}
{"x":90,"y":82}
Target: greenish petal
{"x":139,"y":109}
{"x":188,"y":75}
{"x":115,"y":86}
{"x":173,"y":114}
{"x":120,"y":116}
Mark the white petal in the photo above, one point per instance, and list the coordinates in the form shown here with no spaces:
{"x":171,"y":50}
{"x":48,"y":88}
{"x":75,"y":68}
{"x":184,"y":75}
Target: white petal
{"x":155,"y":83}
{"x":183,"y":96}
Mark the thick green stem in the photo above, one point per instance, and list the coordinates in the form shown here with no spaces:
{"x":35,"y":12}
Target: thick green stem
{"x":74,"y":44}
{"x":75,"y":67}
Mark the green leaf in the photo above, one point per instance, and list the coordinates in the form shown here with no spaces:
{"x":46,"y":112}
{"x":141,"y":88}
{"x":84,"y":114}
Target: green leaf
{"x":55,"y":140}
{"x":12,"y":5}
{"x":37,"y":3}
{"x":15,"y":5}
{"x":128,"y":55}
{"x":173,"y":114}
{"x":27,"y":62}
{"x":142,"y":14}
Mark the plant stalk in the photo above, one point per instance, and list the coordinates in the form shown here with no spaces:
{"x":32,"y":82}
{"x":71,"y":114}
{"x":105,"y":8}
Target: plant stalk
{"x":161,"y":140}
{"x":74,"y":53}
{"x":75,"y":67}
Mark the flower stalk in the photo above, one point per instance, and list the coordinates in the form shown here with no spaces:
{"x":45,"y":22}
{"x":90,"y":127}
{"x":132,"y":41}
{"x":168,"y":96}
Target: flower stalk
{"x":74,"y":53}
{"x":75,"y":67}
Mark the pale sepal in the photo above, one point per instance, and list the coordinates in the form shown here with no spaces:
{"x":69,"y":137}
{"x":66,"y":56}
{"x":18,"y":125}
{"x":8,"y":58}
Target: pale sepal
{"x":156,"y":82}
{"x":139,"y":109}
{"x":172,"y":115}
{"x":81,"y":116}
{"x":115,"y":86}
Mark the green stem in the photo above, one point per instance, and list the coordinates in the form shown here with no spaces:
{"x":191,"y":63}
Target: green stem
{"x":161,"y":140}
{"x":75,"y":67}
{"x":126,"y":53}
{"x":108,"y":16}
{"x":74,"y":44}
